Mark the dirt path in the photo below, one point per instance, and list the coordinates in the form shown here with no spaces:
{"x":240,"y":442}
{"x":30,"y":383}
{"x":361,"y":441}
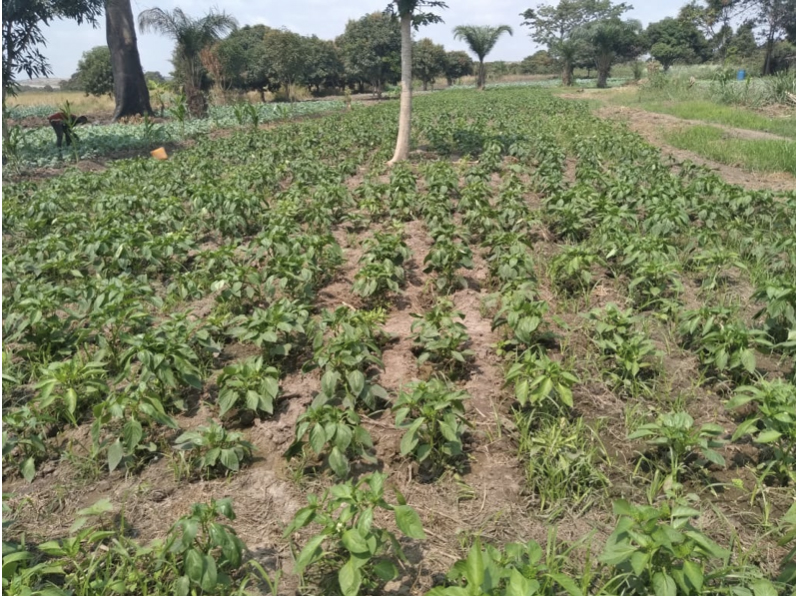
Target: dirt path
{"x":650,"y":125}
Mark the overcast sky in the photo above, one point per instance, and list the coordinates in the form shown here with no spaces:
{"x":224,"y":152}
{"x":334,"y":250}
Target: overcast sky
{"x":66,"y":41}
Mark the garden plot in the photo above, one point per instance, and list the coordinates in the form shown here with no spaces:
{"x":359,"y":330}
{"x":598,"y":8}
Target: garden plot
{"x":532,"y":359}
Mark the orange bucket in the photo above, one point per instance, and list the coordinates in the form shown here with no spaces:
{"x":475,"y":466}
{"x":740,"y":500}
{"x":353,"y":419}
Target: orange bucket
{"x":159,"y":153}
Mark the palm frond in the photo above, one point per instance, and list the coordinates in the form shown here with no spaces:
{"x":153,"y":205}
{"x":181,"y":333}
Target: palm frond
{"x":481,"y":39}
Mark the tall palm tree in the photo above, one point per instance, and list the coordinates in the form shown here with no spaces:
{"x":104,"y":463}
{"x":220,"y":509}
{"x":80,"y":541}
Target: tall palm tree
{"x":481,"y":39}
{"x":192,"y":36}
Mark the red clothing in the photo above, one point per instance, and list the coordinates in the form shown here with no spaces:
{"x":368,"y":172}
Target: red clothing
{"x":57,"y":117}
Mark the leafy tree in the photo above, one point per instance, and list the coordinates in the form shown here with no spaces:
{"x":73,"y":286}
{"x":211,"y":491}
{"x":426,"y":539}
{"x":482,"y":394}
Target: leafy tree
{"x":191,"y":36}
{"x":612,"y":40}
{"x":714,"y":19}
{"x":428,"y":61}
{"x":95,"y":71}
{"x":742,"y":44}
{"x":371,"y":50}
{"x":22,"y":33}
{"x":285,"y":54}
{"x":783,"y":56}
{"x":22,"y":36}
{"x":458,"y":64}
{"x":410,"y":14}
{"x":242,"y":56}
{"x":540,"y":62}
{"x":324,"y":64}
{"x":130,"y":89}
{"x":154,"y":75}
{"x":560,"y":28}
{"x":672,"y":40}
{"x":481,"y":40}
{"x":775,"y":18}
{"x":73,"y":83}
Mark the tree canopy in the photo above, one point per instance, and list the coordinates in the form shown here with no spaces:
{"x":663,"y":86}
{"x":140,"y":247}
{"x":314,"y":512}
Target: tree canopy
{"x":481,"y":39}
{"x":371,"y":50}
{"x":672,"y":40}
{"x":23,"y":35}
{"x":95,"y":72}
{"x":428,"y":61}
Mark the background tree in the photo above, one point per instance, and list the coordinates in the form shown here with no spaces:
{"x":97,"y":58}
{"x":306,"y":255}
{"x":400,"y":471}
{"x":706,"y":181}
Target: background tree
{"x":286,"y":57}
{"x":130,"y":90}
{"x":95,"y":71}
{"x":23,"y":36}
{"x":411,"y":15}
{"x":714,"y":19}
{"x":672,"y":40}
{"x":73,"y":83}
{"x":540,"y":62}
{"x":481,"y":40}
{"x":191,"y":36}
{"x":458,"y":64}
{"x":611,"y":41}
{"x":559,"y":28}
{"x":324,"y":69}
{"x":428,"y":61}
{"x":371,"y":50}
{"x":154,"y":75}
{"x":742,"y":45}
{"x":775,"y":18}
{"x":242,"y":55}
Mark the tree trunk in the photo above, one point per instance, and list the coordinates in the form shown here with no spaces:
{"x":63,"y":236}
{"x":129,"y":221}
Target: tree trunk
{"x":481,"y":74}
{"x":566,"y":75}
{"x":604,"y":69}
{"x":425,"y":85}
{"x":405,"y":118}
{"x":129,"y":85}
{"x":769,"y":51}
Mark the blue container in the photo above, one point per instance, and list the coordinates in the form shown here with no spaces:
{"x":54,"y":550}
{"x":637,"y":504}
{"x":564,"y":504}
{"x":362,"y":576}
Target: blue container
{"x":741,"y":75}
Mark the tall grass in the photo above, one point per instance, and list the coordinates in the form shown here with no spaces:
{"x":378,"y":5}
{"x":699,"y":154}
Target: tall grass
{"x":79,"y":101}
{"x":762,"y":155}
{"x":722,"y":87}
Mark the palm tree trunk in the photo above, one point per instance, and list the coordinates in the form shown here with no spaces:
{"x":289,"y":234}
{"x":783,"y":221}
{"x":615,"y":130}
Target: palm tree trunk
{"x":566,"y":75}
{"x":129,"y":86}
{"x":603,"y":70}
{"x":405,"y":118}
{"x":481,"y":74}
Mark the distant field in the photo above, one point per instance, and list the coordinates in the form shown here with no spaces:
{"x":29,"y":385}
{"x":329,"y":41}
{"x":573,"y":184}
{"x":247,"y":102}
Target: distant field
{"x":78,"y":101}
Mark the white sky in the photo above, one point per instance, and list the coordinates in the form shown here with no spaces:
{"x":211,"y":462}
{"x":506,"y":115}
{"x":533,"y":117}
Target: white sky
{"x":67,"y":41}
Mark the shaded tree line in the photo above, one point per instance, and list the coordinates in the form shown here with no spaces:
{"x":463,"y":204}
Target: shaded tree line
{"x":594,"y":34}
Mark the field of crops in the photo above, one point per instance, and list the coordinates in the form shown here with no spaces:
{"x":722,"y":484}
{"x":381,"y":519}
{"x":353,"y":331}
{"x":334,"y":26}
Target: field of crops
{"x":536,"y":359}
{"x":35,"y":148}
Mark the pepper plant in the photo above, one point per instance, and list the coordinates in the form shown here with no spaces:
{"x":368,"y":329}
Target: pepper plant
{"x":351,"y":553}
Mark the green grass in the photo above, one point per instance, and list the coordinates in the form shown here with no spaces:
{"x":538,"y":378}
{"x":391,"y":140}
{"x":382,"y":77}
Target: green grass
{"x":736,"y":117}
{"x":758,"y":155}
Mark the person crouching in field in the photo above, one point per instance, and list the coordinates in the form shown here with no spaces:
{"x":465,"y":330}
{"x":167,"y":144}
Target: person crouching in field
{"x":63,"y":124}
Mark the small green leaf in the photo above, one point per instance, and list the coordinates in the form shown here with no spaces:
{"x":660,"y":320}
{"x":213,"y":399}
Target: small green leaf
{"x":115,"y":454}
{"x":350,"y":578}
{"x":663,"y":584}
{"x":409,"y":522}
{"x":28,"y":469}
{"x":354,"y":541}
